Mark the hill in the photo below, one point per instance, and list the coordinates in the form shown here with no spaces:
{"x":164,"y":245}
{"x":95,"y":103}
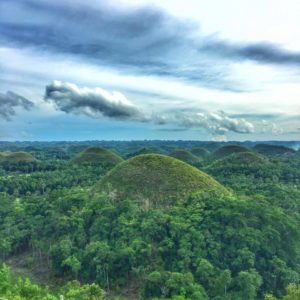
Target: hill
{"x":145,"y":150}
{"x":200,"y":152}
{"x":16,"y":158}
{"x":239,"y":161}
{"x":97,"y":156}
{"x":227,"y":150}
{"x":185,"y":156}
{"x":156,"y":180}
{"x":273,"y":150}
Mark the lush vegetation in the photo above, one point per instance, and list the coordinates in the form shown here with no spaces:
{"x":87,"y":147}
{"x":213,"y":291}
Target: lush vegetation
{"x":79,"y":230}
{"x":24,"y":289}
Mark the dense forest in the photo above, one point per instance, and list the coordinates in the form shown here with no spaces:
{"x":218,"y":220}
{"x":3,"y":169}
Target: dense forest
{"x":149,"y":220}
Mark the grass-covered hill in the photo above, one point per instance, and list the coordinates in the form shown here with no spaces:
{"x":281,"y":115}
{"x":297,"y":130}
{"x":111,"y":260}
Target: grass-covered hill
{"x":185,"y":156}
{"x":145,"y":150}
{"x":156,"y":180}
{"x":200,"y":152}
{"x":227,"y":150}
{"x":16,"y":158}
{"x":97,"y":156}
{"x":240,"y":162}
{"x":273,"y":150}
{"x":243,"y":158}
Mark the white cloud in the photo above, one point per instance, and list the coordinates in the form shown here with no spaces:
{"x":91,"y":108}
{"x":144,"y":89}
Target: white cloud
{"x":92,"y":102}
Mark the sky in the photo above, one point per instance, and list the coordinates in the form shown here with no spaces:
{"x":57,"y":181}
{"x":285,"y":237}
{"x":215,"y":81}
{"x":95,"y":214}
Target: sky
{"x":140,"y":69}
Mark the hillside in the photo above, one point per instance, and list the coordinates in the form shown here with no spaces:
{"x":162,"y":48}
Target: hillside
{"x":200,"y":152}
{"x":243,"y":158}
{"x":145,"y":150}
{"x":156,"y":180}
{"x":273,"y":150}
{"x":238,"y":162}
{"x":227,"y":150}
{"x":97,"y":156}
{"x":16,"y":158}
{"x":185,"y":156}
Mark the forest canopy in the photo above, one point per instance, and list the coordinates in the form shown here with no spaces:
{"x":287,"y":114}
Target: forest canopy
{"x":225,"y":228}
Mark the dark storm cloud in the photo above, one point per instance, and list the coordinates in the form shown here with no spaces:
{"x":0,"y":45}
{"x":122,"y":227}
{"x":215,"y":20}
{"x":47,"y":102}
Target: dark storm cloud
{"x":94,"y":103}
{"x":9,"y":102}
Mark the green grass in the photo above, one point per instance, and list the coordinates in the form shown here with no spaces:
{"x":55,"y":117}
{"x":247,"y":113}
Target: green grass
{"x":227,"y":150}
{"x":98,"y":156}
{"x":185,"y":156}
{"x":16,"y":157}
{"x":156,"y":181}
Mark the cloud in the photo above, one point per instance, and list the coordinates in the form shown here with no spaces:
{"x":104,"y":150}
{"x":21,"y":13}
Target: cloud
{"x":9,"y":102}
{"x":98,"y":103}
{"x":269,"y":127}
{"x":92,"y":102}
{"x":225,"y":123}
{"x":136,"y":39}
{"x":263,"y":52}
{"x":214,"y":122}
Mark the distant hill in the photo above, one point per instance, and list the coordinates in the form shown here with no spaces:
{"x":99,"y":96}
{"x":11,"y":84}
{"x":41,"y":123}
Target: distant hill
{"x":185,"y":156}
{"x":241,"y":162}
{"x":227,"y":150}
{"x":16,"y":158}
{"x":97,"y":156}
{"x":200,"y":152}
{"x":145,"y":150}
{"x":156,"y":180}
{"x":273,"y":150}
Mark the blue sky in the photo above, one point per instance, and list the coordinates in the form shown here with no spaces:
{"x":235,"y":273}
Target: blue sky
{"x":169,"y":69}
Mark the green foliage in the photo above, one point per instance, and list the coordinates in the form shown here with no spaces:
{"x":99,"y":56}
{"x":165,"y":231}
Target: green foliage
{"x":194,"y":240}
{"x":292,"y":292}
{"x":24,"y":289}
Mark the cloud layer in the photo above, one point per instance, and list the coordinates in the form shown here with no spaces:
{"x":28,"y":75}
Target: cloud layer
{"x":264,"y":52}
{"x":92,"y":102}
{"x":140,"y":40}
{"x":98,"y":103}
{"x":214,"y":122}
{"x":9,"y":102}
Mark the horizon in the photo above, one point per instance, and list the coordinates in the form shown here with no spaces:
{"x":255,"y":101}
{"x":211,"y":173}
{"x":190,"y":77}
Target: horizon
{"x":149,"y":70}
